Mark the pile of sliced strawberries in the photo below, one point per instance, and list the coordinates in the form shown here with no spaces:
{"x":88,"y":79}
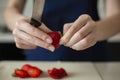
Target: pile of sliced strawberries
{"x":28,"y":70}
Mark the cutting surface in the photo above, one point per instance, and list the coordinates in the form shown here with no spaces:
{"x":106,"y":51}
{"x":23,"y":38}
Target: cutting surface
{"x":75,"y":70}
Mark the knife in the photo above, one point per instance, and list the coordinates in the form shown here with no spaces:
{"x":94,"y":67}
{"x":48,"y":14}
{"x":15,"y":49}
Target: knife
{"x":38,"y":6}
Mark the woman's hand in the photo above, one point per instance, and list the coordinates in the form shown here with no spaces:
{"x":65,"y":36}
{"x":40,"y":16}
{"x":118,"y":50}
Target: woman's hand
{"x":81,"y":34}
{"x":28,"y":37}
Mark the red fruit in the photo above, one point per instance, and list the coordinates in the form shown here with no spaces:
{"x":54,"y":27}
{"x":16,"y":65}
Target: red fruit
{"x":57,"y":73}
{"x":34,"y":72}
{"x":26,"y":67}
{"x":21,"y":73}
{"x":63,"y":72}
{"x":54,"y":73}
{"x":27,"y":71}
{"x":56,"y":38}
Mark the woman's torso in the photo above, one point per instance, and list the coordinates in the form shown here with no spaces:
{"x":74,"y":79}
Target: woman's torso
{"x":55,"y":15}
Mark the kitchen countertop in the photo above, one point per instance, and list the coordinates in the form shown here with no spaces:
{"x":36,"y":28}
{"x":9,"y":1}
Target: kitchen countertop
{"x":75,"y":70}
{"x":108,"y":70}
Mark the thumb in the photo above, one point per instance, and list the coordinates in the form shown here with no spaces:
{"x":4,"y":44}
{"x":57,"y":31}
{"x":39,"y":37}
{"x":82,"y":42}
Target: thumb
{"x":44,"y":28}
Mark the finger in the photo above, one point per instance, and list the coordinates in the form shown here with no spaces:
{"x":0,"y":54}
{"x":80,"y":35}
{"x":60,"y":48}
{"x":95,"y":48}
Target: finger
{"x":83,"y":32}
{"x":28,"y":28}
{"x":44,"y":28}
{"x":85,"y":43}
{"x":66,"y":27}
{"x":24,"y":46}
{"x":33,"y":40}
{"x":79,"y":23}
{"x":21,"y":41}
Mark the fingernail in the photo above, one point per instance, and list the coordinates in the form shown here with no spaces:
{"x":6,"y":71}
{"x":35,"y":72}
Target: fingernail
{"x":49,"y":40}
{"x":51,"y":48}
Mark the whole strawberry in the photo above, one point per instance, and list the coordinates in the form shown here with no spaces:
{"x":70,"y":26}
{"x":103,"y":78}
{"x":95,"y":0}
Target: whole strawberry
{"x":56,"y":38}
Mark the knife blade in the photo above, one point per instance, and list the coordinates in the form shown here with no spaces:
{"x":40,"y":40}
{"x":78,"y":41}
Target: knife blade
{"x":38,"y":6}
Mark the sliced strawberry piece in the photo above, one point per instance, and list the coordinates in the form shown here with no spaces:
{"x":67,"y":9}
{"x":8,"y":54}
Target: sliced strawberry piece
{"x":54,"y":74}
{"x":34,"y":72}
{"x":63,"y":72}
{"x":56,"y":38}
{"x":26,"y":67}
{"x":57,"y":73}
{"x":21,"y":73}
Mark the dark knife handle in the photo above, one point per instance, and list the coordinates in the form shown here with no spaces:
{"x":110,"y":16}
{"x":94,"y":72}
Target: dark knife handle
{"x":35,"y":23}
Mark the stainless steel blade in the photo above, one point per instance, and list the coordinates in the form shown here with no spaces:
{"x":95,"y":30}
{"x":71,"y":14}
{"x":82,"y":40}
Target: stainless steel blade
{"x":37,"y":12}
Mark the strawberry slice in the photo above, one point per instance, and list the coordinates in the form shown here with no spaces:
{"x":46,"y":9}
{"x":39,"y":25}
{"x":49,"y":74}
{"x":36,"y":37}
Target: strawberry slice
{"x":63,"y":72}
{"x":57,"y":73}
{"x":56,"y":38}
{"x":34,"y":72}
{"x":20,"y":73}
{"x":26,"y":67}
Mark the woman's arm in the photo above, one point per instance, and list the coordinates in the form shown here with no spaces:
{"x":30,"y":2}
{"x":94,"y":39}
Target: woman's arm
{"x":13,"y":12}
{"x":84,"y":32}
{"x":26,"y":36}
{"x":111,"y":24}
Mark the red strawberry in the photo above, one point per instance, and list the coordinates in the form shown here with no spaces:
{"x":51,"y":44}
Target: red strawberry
{"x":27,"y":71}
{"x":54,"y":73}
{"x":26,"y":67}
{"x":56,"y":38}
{"x":57,"y":73}
{"x":34,"y":72}
{"x":63,"y":72}
{"x":20,"y":73}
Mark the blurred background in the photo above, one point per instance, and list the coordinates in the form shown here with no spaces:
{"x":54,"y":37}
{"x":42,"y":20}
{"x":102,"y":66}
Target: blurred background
{"x":8,"y":50}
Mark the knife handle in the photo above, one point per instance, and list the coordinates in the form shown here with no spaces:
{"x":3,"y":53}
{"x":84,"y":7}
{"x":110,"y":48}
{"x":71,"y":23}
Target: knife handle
{"x":35,"y":23}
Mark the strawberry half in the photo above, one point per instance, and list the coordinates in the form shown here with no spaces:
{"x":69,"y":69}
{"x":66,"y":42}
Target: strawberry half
{"x":57,"y":73}
{"x":20,"y":73}
{"x":26,"y":67}
{"x":56,"y":38}
{"x":34,"y":72}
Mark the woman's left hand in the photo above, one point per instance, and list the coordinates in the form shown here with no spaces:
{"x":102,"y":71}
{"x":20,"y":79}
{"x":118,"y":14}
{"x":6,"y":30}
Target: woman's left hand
{"x":80,"y":34}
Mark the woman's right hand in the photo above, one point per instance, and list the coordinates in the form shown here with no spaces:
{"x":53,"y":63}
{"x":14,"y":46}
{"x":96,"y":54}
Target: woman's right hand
{"x":26,"y":36}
